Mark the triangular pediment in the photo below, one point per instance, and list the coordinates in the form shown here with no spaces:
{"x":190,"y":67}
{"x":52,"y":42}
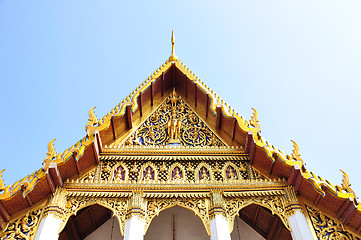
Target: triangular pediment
{"x":173,"y":123}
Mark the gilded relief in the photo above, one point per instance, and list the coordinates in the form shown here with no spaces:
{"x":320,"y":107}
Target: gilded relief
{"x":326,"y":228}
{"x":23,"y":228}
{"x":174,"y":123}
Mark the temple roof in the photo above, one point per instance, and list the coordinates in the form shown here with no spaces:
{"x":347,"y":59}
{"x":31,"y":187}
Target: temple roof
{"x":103,"y":134}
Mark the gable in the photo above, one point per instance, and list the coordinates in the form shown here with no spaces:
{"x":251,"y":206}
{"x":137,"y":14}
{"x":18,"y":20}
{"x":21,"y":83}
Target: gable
{"x":173,"y":123}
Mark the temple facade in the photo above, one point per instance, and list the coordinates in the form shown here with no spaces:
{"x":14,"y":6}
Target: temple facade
{"x":174,"y":161}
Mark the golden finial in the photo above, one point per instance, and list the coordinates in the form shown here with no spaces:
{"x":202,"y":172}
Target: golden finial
{"x":346,"y":185}
{"x":50,"y":155}
{"x":173,"y":57}
{"x":92,"y":117}
{"x":254,"y":120}
{"x":2,"y":184}
{"x":51,"y":151}
{"x":92,"y":120}
{"x":296,"y":152}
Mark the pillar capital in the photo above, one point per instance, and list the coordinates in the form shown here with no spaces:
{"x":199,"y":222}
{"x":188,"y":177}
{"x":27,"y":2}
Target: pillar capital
{"x":218,"y":204}
{"x":136,"y":205}
{"x":292,"y":205}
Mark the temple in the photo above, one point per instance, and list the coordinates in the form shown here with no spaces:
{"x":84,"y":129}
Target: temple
{"x":174,"y":161}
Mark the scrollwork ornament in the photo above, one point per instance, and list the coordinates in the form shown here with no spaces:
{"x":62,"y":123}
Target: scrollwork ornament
{"x":117,"y":205}
{"x":326,"y":228}
{"x":274,"y":203}
{"x":174,"y":122}
{"x":23,"y":228}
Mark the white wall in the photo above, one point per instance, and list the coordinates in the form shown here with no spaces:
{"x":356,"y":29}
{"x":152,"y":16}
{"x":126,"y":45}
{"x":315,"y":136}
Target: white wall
{"x":244,"y":231}
{"x":104,"y":231}
{"x":188,"y":226}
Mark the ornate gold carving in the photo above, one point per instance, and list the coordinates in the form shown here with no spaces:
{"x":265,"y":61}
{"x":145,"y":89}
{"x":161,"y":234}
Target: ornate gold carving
{"x":346,"y":185}
{"x":292,"y":203}
{"x":50,"y":155}
{"x":2,"y":184}
{"x":218,"y":205}
{"x":92,"y":120}
{"x":254,"y":120}
{"x":147,"y":172}
{"x":136,"y":205}
{"x":177,"y":172}
{"x":327,"y":228}
{"x":23,"y":228}
{"x":230,"y":171}
{"x":163,"y":168}
{"x":199,"y":206}
{"x":116,"y":204}
{"x":275,"y":203}
{"x":203,"y":172}
{"x":119,"y":172}
{"x":173,"y":122}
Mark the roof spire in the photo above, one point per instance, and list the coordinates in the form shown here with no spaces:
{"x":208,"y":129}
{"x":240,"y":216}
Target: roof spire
{"x":173,"y":57}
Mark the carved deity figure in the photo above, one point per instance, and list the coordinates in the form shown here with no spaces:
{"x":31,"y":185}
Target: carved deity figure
{"x":119,"y":175}
{"x":148,"y":175}
{"x":174,"y":99}
{"x":231,"y":175}
{"x":204,"y":175}
{"x":177,"y":175}
{"x":174,"y":127}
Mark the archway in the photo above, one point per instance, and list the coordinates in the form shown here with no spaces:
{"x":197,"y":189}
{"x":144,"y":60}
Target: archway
{"x":176,"y":223}
{"x":257,"y":222}
{"x":92,"y":223}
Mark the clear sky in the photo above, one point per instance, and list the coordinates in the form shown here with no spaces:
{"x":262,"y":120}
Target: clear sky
{"x":297,"y":62}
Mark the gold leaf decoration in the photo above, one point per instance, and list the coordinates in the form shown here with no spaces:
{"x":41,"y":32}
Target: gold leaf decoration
{"x":254,"y":120}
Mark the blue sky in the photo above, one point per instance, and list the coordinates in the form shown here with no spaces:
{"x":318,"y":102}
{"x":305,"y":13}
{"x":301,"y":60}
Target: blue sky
{"x":297,"y":62}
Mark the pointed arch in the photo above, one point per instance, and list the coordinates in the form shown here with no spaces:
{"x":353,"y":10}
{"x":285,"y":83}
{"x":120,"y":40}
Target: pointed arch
{"x":181,"y":168}
{"x":115,"y":172}
{"x":116,"y":205}
{"x":239,"y":204}
{"x":200,"y":207}
{"x":199,"y":168}
{"x":143,"y":169}
{"x":225,"y":169}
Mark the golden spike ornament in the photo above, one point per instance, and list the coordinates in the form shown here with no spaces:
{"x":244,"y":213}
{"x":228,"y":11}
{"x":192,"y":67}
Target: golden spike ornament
{"x":2,"y":184}
{"x":51,"y":151}
{"x":296,"y":152}
{"x":254,"y":120}
{"x":346,"y":185}
{"x":92,"y":120}
{"x":50,"y":155}
{"x":173,"y":57}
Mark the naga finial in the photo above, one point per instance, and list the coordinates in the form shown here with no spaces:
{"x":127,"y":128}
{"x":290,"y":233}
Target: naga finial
{"x":92,"y":119}
{"x":2,"y":184}
{"x":346,"y":185}
{"x":173,"y":57}
{"x":51,"y":151}
{"x":50,"y":155}
{"x":254,"y":120}
{"x":296,"y":152}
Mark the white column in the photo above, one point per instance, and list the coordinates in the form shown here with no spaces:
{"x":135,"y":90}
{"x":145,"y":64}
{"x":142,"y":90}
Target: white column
{"x":219,"y":228}
{"x":300,"y":230}
{"x":48,"y":228}
{"x":134,"y":229}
